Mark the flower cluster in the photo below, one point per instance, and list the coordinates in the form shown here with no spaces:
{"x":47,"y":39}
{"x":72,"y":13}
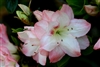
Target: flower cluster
{"x":53,"y":36}
{"x":8,"y":56}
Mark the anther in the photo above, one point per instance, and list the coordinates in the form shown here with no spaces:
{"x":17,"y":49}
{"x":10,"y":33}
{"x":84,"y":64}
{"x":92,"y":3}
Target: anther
{"x":32,"y":45}
{"x":61,"y":39}
{"x":71,"y":28}
{"x":57,"y":42}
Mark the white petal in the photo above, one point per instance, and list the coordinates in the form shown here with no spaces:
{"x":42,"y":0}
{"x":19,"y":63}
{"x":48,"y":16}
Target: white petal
{"x":40,"y":28}
{"x":23,"y":36}
{"x":11,"y":47}
{"x":56,"y":54}
{"x":83,"y":42}
{"x":29,"y":49}
{"x":38,"y":14}
{"x":40,"y":59}
{"x":63,"y":19}
{"x":34,"y":41}
{"x":68,"y":10}
{"x":29,"y":28}
{"x":48,"y":43}
{"x":70,"y":46}
{"x":47,"y":15}
{"x":79,"y":27}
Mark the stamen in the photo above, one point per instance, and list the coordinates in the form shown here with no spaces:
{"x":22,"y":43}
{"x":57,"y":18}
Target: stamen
{"x":71,"y":28}
{"x":62,"y":40}
{"x":57,"y":42}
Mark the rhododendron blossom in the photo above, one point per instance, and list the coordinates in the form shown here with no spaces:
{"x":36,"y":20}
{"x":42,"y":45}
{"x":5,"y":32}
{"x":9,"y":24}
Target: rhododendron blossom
{"x":31,"y":45}
{"x":97,"y":45}
{"x":6,"y":59}
{"x":60,"y":33}
{"x":4,"y":41}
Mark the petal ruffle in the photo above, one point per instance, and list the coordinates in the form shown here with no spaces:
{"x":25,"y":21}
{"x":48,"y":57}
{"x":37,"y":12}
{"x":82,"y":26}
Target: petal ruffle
{"x":47,"y":15}
{"x":79,"y":27}
{"x":40,"y":28}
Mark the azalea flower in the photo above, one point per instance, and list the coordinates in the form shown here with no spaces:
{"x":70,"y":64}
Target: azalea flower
{"x":6,"y":59}
{"x":97,"y":45}
{"x":60,"y":33}
{"x":31,"y":45}
{"x":4,"y":41}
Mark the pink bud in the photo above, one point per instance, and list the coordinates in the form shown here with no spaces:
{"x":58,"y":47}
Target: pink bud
{"x":91,"y":10}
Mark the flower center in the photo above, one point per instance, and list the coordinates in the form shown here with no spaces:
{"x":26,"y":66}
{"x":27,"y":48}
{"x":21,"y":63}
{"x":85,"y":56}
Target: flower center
{"x":58,"y":32}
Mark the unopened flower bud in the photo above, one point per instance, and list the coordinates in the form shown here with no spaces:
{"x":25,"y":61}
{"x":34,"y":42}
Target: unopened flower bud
{"x":91,"y":10}
{"x":24,"y":18}
{"x":25,"y":9}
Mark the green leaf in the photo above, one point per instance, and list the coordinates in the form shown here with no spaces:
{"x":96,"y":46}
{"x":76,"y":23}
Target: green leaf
{"x":16,"y":42}
{"x":90,"y":39}
{"x":17,"y":30}
{"x":63,"y":61}
{"x":86,"y":16}
{"x":11,"y":5}
{"x":77,"y":6}
{"x":88,"y":51}
{"x":25,"y":9}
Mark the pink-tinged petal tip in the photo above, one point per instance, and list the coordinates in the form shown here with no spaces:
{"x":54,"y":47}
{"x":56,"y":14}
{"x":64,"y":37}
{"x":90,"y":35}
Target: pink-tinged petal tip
{"x":78,"y":54}
{"x":97,"y":45}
